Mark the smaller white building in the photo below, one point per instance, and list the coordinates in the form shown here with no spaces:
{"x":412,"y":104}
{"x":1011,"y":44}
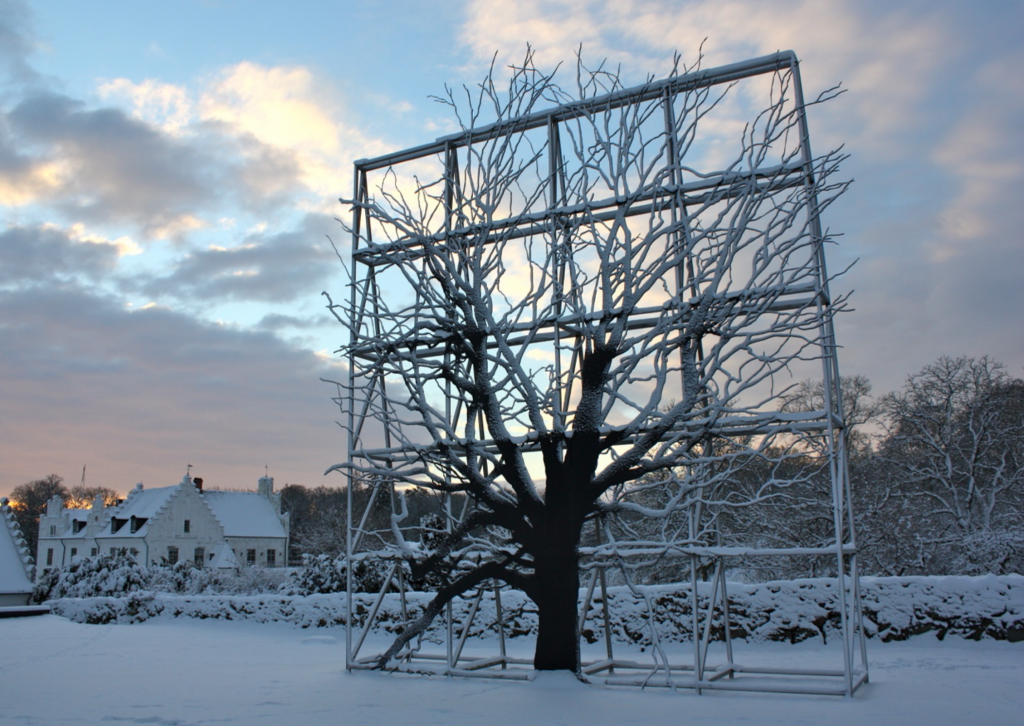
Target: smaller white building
{"x":16,"y":568}
{"x":220,"y":529}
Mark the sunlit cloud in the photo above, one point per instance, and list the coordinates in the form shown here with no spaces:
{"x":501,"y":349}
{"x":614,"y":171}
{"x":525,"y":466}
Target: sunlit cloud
{"x":162,"y":104}
{"x":26,"y":181}
{"x":125,"y":245}
{"x":288,"y":109}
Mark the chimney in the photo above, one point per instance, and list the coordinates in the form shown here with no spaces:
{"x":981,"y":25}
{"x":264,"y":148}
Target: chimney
{"x":198,"y":481}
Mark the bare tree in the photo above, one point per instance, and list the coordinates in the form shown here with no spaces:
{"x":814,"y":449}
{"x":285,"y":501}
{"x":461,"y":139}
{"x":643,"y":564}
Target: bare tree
{"x":568,"y":308}
{"x":955,"y":447}
{"x":29,"y":503}
{"x":82,"y":497}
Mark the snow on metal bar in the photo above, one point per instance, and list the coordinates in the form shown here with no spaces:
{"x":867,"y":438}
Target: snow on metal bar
{"x":646,"y":92}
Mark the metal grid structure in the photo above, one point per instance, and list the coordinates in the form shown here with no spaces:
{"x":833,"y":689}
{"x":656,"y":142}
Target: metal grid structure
{"x":384,"y":449}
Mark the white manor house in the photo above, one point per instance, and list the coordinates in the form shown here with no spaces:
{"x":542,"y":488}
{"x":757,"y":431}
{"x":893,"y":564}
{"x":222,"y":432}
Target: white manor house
{"x":212,"y":528}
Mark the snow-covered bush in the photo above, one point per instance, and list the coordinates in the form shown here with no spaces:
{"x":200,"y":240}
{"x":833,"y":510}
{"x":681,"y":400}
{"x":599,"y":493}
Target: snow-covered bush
{"x":252,"y":581}
{"x":179,"y":577}
{"x":104,"y":575}
{"x":322,"y":574}
{"x":319,"y":574}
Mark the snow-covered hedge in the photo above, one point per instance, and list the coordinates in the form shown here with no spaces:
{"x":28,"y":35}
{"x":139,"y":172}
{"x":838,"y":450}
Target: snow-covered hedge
{"x":894,"y":609}
{"x":117,"y":574}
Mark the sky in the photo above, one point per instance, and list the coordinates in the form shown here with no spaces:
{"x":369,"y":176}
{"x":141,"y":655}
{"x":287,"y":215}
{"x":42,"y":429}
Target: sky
{"x":170,"y":175}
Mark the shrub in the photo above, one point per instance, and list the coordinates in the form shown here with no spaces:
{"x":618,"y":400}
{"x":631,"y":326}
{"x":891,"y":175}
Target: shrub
{"x":322,"y":574}
{"x":105,"y":575}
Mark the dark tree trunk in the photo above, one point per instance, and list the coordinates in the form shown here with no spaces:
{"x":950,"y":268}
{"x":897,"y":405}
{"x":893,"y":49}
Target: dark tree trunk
{"x":556,"y":594}
{"x":556,"y":557}
{"x":558,"y":588}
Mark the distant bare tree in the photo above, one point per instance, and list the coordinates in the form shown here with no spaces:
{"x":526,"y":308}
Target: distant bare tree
{"x":29,"y":503}
{"x":82,"y":497}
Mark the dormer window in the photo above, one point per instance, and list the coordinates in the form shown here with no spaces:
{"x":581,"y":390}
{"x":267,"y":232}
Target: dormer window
{"x":137,"y":523}
{"x":77,"y":526}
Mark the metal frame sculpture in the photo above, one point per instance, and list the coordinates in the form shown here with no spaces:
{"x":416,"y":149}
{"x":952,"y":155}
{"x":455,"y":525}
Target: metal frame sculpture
{"x":491,"y":268}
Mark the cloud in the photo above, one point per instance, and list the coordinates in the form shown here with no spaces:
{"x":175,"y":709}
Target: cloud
{"x":984,"y":152}
{"x":17,"y":42}
{"x":261,"y":137}
{"x":275,"y":105}
{"x":116,"y":168}
{"x":885,"y":56}
{"x":37,"y":255}
{"x":138,"y":394}
{"x":162,"y":104}
{"x":275,"y":321}
{"x":270,"y":268}
{"x":289,"y":110}
{"x":24,"y":178}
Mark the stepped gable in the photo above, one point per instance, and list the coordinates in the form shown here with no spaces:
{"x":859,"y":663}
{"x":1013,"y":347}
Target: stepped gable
{"x":16,"y":564}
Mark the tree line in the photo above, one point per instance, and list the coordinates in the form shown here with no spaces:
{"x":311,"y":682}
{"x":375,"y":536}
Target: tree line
{"x":936,"y":474}
{"x":936,"y":478}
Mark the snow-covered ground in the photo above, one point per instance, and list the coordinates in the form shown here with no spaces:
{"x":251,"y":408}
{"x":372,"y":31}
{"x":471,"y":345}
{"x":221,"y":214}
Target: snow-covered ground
{"x":177,"y":671}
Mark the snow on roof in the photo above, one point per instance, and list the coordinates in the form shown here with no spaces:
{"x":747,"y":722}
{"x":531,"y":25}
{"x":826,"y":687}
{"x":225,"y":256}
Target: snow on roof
{"x":144,"y":503}
{"x":244,"y":514}
{"x":13,"y":573}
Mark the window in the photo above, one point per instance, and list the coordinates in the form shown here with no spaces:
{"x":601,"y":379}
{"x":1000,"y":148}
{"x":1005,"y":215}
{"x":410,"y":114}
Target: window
{"x":172,"y":555}
{"x":74,"y":552}
{"x":271,"y":558}
{"x":93,"y":552}
{"x":188,"y":526}
{"x":250,"y":557}
{"x":200,"y":557}
{"x":77,"y":526}
{"x":53,"y":530}
{"x":49,"y":556}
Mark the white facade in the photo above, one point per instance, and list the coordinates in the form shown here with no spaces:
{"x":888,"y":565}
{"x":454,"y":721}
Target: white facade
{"x":219,"y":529}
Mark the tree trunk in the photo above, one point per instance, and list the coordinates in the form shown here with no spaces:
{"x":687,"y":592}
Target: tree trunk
{"x":557,"y":600}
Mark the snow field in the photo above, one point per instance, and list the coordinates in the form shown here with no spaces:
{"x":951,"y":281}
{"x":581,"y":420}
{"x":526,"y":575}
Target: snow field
{"x":186,"y":671}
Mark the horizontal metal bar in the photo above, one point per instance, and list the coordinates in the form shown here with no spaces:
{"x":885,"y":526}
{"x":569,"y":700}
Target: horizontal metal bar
{"x":753,"y":684}
{"x":722,"y":427}
{"x":433,"y":347}
{"x":625,"y":550}
{"x":650,"y":91}
{"x":715,"y":188}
